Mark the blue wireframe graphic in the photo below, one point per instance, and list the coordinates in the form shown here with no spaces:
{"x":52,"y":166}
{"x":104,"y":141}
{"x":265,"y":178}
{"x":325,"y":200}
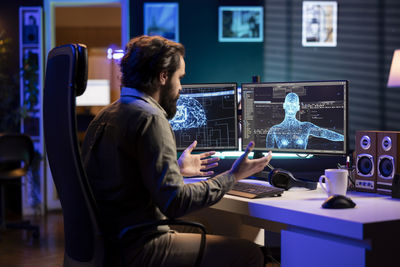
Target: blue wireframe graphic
{"x":292,"y":133}
{"x":189,"y":114}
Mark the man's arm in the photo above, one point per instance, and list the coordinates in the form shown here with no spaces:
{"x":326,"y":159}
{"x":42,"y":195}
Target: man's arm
{"x":162,"y":178}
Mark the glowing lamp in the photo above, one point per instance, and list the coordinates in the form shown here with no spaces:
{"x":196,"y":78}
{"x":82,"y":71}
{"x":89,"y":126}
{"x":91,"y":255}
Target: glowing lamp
{"x":394,"y":75}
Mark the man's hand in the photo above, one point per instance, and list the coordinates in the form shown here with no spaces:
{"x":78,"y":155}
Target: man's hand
{"x":244,"y":167}
{"x":196,"y":164}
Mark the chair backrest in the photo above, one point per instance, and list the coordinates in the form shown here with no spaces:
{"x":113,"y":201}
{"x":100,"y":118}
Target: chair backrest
{"x":66,"y":77}
{"x":16,"y":154}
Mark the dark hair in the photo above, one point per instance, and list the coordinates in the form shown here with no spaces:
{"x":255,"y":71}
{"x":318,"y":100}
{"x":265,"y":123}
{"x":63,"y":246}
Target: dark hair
{"x":145,"y":58}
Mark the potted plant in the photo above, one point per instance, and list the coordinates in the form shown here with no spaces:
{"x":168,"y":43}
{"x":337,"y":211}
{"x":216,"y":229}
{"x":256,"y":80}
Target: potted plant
{"x":9,"y":102}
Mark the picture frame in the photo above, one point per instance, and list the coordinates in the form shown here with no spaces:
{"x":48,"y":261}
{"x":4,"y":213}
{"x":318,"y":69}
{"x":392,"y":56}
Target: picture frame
{"x":161,"y":19}
{"x":30,"y":63}
{"x":30,"y":26}
{"x":31,"y":123}
{"x":319,"y":26}
{"x":240,"y":24}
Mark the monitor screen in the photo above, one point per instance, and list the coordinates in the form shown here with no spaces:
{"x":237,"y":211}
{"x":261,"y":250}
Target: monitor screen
{"x":299,"y":117}
{"x":97,"y":93}
{"x":207,"y":113}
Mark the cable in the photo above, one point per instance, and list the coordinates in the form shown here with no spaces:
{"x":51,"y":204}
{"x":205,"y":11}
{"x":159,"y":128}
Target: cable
{"x":270,"y":166}
{"x":350,"y":169}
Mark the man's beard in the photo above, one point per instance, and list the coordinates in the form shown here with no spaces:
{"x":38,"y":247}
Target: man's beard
{"x":168,"y":101}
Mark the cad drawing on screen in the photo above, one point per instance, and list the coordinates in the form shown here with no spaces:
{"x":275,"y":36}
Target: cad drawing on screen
{"x":292,"y":133}
{"x":189,"y":114}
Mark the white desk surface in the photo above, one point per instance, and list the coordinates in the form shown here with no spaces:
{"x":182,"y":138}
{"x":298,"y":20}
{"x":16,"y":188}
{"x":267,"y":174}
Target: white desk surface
{"x":301,"y":207}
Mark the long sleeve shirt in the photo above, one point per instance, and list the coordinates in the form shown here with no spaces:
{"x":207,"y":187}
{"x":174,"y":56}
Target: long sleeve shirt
{"x":129,"y":154}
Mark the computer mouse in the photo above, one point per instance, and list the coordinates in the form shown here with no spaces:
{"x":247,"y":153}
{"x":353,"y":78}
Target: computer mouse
{"x":338,"y":202}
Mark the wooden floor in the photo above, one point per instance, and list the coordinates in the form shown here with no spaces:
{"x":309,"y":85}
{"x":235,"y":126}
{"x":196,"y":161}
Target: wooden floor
{"x":19,"y":249}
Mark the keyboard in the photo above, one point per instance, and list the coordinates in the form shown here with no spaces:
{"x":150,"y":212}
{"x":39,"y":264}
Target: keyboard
{"x":250,"y":190}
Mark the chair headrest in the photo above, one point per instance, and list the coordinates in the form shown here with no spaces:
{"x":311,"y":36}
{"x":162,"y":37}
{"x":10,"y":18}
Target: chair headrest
{"x":81,"y":69}
{"x":78,"y":62}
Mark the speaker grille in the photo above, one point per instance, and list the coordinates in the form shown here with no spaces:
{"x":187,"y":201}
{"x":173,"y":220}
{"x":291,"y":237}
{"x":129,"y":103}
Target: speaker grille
{"x":386,"y":167}
{"x":365,"y":165}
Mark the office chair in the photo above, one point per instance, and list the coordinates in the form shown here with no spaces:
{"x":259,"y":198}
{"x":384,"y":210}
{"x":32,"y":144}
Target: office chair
{"x":86,"y":244}
{"x":16,"y":154}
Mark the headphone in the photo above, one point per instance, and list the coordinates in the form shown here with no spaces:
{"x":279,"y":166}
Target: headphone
{"x":284,"y":179}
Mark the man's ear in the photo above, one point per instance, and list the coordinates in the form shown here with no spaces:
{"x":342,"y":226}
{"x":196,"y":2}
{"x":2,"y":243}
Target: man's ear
{"x":163,"y":77}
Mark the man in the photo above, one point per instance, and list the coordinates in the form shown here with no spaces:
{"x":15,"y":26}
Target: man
{"x":130,"y":157}
{"x":292,"y":133}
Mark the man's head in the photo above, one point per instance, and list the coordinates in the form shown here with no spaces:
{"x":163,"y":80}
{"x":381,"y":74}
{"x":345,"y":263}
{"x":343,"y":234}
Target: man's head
{"x":291,"y":104}
{"x":154,"y":65}
{"x":170,"y":87}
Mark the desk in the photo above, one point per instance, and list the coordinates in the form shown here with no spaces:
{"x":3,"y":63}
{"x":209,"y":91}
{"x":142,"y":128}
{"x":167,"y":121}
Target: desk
{"x":368,"y":235}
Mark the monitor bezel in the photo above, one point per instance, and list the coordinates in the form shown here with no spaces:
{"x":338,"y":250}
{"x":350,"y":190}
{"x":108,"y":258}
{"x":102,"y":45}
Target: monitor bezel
{"x":343,"y":152}
{"x":85,"y":101}
{"x":224,"y":148}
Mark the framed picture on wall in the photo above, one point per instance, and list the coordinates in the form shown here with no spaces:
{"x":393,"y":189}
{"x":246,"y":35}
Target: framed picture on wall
{"x":30,"y":75}
{"x":319,"y":23}
{"x":240,"y":24}
{"x":30,"y":26}
{"x":161,"y":19}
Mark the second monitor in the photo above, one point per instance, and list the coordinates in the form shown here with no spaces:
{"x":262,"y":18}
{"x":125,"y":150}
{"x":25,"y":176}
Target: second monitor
{"x":207,"y":113}
{"x":299,"y":117}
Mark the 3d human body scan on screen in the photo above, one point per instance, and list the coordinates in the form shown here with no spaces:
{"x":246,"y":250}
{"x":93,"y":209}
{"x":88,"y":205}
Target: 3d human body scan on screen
{"x":303,"y":117}
{"x":206,"y":113}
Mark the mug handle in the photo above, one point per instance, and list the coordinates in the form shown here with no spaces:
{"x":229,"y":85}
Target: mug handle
{"x":327,"y":182}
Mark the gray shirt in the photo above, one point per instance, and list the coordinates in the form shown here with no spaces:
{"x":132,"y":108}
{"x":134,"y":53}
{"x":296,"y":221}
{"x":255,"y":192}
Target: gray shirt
{"x":129,"y":154}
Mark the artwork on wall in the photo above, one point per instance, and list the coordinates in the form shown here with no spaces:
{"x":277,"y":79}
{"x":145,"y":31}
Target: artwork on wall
{"x":161,"y":19}
{"x":31,"y":85}
{"x":30,"y":26}
{"x":319,"y":23}
{"x":30,"y":68}
{"x":240,"y":24}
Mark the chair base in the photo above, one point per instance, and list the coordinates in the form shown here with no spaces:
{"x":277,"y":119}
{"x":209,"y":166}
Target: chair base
{"x":24,"y":224}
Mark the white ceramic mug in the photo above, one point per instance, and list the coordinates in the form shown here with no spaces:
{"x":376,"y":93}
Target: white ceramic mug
{"x":335,"y":180}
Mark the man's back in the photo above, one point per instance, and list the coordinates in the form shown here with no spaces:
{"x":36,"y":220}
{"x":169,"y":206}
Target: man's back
{"x":111,"y":155}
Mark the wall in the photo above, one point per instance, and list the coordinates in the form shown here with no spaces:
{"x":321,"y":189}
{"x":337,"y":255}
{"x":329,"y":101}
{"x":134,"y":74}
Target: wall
{"x":208,"y":60}
{"x":368,"y":33}
{"x":95,"y":26}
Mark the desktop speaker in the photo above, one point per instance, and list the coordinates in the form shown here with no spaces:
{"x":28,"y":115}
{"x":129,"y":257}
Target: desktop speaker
{"x":365,"y":161}
{"x":388,"y":155}
{"x":396,"y":186}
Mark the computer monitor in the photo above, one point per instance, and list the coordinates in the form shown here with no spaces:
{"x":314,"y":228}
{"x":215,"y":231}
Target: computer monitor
{"x":207,"y":113}
{"x":296,"y":117}
{"x":97,"y":93}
